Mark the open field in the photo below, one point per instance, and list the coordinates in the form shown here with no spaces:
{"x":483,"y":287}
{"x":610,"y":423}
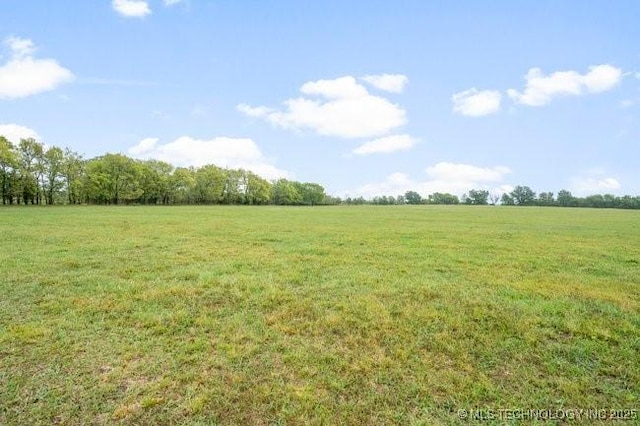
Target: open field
{"x":353,"y":315}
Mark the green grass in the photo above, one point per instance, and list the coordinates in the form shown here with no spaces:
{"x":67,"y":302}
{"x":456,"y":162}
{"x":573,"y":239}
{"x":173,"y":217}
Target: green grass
{"x":337,"y":315}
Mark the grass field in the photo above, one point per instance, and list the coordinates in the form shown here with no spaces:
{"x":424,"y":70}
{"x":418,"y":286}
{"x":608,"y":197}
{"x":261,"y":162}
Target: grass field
{"x":325,"y":315}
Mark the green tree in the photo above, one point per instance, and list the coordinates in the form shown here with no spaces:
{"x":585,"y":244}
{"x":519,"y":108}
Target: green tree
{"x":30,"y":153}
{"x":546,"y":199}
{"x":507,"y":200}
{"x":595,"y":200}
{"x":629,"y":202}
{"x":8,"y":170}
{"x":154,"y":181}
{"x":73,"y":172}
{"x":113,"y":179}
{"x":257,"y":190}
{"x":312,"y":193}
{"x":182,"y":184}
{"x":285,"y":192}
{"x":477,"y":197}
{"x":412,"y":197}
{"x":233,"y":191}
{"x":494,"y":198}
{"x":523,"y":196}
{"x":610,"y":200}
{"x":53,"y":172}
{"x":209,"y":185}
{"x":443,"y":198}
{"x":566,"y":199}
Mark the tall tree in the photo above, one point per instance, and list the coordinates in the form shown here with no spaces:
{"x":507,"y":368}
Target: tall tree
{"x":507,"y":200}
{"x":53,"y":171}
{"x":113,"y":179}
{"x":233,"y":191}
{"x":30,"y":151}
{"x":412,"y":197}
{"x":523,"y":196}
{"x":546,"y":199}
{"x":154,"y":181}
{"x":8,"y":165}
{"x":257,"y":189}
{"x":494,"y":198}
{"x":73,"y":174}
{"x":312,"y":193}
{"x":285,"y":192}
{"x":443,"y":198}
{"x":566,"y":199}
{"x":182,"y":186}
{"x":209,"y":185}
{"x":477,"y":197}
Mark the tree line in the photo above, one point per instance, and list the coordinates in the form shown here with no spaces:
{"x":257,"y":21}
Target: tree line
{"x":31,"y":173}
{"x":520,"y":196}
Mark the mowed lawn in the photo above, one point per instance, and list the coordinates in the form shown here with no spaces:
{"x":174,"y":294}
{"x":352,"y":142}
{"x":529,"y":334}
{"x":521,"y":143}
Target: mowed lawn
{"x":321,"y":315}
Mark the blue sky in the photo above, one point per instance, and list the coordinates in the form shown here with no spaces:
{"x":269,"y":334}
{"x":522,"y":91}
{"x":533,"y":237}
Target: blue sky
{"x":366,"y":98}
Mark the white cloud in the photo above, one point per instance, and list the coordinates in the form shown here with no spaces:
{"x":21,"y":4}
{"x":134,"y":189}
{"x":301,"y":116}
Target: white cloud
{"x":171,"y":2}
{"x":131,"y":8}
{"x":476,"y":103}
{"x":339,"y":88}
{"x":386,"y":144}
{"x":442,"y":177}
{"x":467,"y":173}
{"x":23,"y":75}
{"x":344,"y":109}
{"x":594,"y":181}
{"x":393,"y":83}
{"x":15,"y":132}
{"x":593,"y":185}
{"x":144,"y":147}
{"x":254,"y":111}
{"x":225,"y":152}
{"x":20,"y":47}
{"x":601,"y":78}
{"x":394,"y":184}
{"x":503,"y":189}
{"x":540,"y":89}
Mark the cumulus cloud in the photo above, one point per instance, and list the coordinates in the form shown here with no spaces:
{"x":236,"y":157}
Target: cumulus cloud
{"x":131,"y":8}
{"x":15,"y":132}
{"x":224,"y":152}
{"x":453,"y":178}
{"x":340,"y":107}
{"x":540,"y":89}
{"x":20,"y":47}
{"x":339,"y":88}
{"x":476,"y":103}
{"x":261,"y":111}
{"x":594,"y":181}
{"x":386,"y":144}
{"x":393,"y":83}
{"x":394,"y":184}
{"x":467,"y":173}
{"x":23,"y":75}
